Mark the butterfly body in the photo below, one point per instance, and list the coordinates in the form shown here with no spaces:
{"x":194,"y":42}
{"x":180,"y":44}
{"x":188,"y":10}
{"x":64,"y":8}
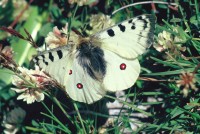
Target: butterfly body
{"x":91,"y":58}
{"x":89,"y":67}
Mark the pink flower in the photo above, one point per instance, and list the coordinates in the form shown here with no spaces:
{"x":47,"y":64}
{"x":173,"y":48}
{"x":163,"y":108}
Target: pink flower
{"x":187,"y":81}
{"x":57,"y":38}
{"x":6,"y":51}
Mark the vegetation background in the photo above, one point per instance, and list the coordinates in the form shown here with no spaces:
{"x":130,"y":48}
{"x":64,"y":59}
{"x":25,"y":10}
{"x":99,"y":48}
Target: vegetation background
{"x":165,"y":99}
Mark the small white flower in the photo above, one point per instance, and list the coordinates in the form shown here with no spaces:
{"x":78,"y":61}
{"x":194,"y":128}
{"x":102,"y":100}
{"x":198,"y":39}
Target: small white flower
{"x":30,"y":84}
{"x":29,"y":95}
{"x":102,"y":131}
{"x":164,"y":38}
{"x":3,"y":3}
{"x":13,"y":120}
{"x":6,"y":51}
{"x":57,"y":38}
{"x":36,"y":76}
{"x":99,"y":22}
{"x":166,"y":41}
{"x":18,"y":6}
{"x":84,"y":2}
{"x":79,"y":2}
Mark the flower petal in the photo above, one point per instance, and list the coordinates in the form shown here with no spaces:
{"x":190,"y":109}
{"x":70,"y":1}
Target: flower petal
{"x":19,"y":90}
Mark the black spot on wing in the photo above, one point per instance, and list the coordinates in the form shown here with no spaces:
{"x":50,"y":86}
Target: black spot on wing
{"x":130,"y":21}
{"x":92,"y":60}
{"x":111,"y":33}
{"x":43,"y":59}
{"x":36,"y":59}
{"x":46,"y":63}
{"x":122,"y":28}
{"x":60,"y":54}
{"x":133,"y":26}
{"x":145,"y":23}
{"x":51,"y":56}
{"x":140,"y":17}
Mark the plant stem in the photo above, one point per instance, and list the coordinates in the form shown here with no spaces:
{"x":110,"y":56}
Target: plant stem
{"x":76,"y":108}
{"x":37,"y":130}
{"x":62,"y":109}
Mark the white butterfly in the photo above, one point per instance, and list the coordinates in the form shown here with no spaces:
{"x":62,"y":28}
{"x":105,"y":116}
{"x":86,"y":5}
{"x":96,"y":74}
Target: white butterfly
{"x":103,"y":62}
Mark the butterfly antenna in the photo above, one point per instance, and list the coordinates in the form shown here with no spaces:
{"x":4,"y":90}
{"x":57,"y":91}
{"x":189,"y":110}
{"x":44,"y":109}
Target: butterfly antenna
{"x":141,"y":3}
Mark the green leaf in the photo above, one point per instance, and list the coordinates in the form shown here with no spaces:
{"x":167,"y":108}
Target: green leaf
{"x":176,"y":112}
{"x":55,"y":12}
{"x":34,"y":123}
{"x":32,"y":25}
{"x":163,"y":6}
{"x":170,"y":72}
{"x":175,"y":20}
{"x":46,"y":29}
{"x":165,"y":63}
{"x":194,"y":20}
{"x":20,"y":47}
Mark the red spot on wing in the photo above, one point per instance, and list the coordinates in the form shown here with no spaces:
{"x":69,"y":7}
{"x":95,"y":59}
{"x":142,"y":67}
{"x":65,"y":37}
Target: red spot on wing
{"x":70,"y":72}
{"x":123,"y":66}
{"x":79,"y":86}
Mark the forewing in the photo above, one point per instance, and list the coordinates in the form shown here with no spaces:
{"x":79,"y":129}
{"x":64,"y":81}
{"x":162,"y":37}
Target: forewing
{"x":129,"y":38}
{"x":68,"y":72}
{"x":55,"y":62}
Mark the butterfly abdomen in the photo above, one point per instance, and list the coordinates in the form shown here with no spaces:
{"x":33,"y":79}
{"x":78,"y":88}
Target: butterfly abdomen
{"x":91,"y":58}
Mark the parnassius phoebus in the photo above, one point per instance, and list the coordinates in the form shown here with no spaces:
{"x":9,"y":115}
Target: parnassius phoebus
{"x":103,"y":62}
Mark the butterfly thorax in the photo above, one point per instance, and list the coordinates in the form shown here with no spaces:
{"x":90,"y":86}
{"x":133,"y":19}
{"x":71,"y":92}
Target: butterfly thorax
{"x":93,"y":41}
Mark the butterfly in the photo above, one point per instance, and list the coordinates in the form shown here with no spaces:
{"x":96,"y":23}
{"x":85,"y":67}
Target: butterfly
{"x":103,"y":62}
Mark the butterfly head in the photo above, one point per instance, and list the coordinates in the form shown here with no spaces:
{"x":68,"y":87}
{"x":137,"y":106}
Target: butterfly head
{"x":76,"y":40}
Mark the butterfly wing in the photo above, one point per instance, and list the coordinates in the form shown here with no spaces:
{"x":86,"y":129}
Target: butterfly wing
{"x":67,"y":70}
{"x":129,"y":38}
{"x":81,"y":86}
{"x":55,"y":62}
{"x":122,"y":44}
{"x":113,"y":66}
{"x":120,"y":73}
